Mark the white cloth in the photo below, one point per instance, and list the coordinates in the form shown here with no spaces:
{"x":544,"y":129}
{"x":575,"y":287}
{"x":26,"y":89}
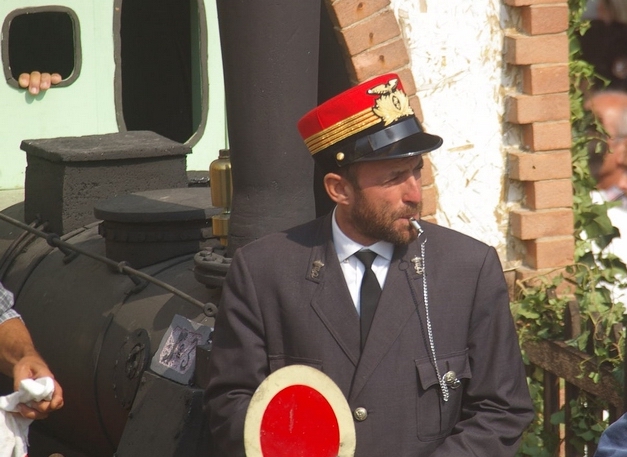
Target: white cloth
{"x":14,"y":427}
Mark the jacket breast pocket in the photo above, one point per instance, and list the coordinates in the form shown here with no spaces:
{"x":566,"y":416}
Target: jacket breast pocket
{"x":282,"y":360}
{"x":436,"y":417}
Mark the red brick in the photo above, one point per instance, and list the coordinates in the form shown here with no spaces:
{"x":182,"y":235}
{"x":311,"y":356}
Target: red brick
{"x":545,"y":19}
{"x":527,"y":50}
{"x":530,"y":2}
{"x":414,"y":102}
{"x":407,"y":77}
{"x":346,"y":12}
{"x":375,"y":30}
{"x":429,"y":200}
{"x":538,"y":166}
{"x":510,"y":280}
{"x":530,"y":225}
{"x":427,"y":171}
{"x":380,"y":59}
{"x":529,"y":277}
{"x":552,"y":252}
{"x":525,"y":109}
{"x":553,"y":193}
{"x":545,"y":79}
{"x":547,"y":136}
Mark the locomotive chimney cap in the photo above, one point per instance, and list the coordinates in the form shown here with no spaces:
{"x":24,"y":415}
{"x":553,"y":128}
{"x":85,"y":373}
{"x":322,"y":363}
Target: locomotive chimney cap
{"x":370,"y":121}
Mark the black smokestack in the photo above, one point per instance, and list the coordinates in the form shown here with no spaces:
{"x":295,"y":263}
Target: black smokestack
{"x":270,"y":57}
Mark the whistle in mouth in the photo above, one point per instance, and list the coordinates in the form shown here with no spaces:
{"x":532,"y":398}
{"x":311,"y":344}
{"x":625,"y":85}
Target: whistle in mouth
{"x":415,"y":224}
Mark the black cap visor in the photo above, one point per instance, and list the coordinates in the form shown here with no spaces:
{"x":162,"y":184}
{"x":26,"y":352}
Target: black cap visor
{"x":401,"y":139}
{"x":419,"y":143}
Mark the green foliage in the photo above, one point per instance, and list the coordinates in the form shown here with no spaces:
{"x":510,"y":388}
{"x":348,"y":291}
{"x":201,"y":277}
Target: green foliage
{"x":537,"y":441}
{"x":584,"y":423}
{"x":539,"y":312}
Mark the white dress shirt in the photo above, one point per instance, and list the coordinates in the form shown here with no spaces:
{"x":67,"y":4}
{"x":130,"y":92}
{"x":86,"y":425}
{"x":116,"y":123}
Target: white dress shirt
{"x":352,"y":268}
{"x":618,"y":246}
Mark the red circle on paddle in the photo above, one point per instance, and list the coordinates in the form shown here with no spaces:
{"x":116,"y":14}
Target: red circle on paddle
{"x":297,"y":422}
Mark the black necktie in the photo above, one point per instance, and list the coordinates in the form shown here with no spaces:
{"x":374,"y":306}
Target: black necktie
{"x":369,"y":293}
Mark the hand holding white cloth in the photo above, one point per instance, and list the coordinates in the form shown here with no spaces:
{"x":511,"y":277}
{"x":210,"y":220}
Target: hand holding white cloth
{"x":14,"y":427}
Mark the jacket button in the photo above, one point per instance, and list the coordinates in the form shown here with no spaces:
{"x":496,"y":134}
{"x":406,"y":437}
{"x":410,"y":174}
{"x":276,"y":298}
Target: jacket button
{"x":360,"y":414}
{"x":450,"y":379}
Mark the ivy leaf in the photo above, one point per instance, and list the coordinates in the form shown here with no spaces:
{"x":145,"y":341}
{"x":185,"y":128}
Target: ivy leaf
{"x":558,"y":417}
{"x":529,"y":314}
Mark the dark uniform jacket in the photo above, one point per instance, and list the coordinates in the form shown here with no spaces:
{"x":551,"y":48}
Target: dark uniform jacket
{"x":613,"y":441}
{"x":280,"y":307}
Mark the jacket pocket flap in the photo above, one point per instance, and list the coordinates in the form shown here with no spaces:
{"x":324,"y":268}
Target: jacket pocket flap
{"x":456,"y":362}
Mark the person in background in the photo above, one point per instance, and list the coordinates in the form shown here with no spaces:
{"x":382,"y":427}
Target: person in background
{"x":607,"y":168}
{"x":606,"y":159}
{"x":606,"y":164}
{"x":613,"y":441}
{"x":20,"y":360}
{"x":610,"y":106}
{"x":611,"y":174}
{"x":411,"y":320}
{"x":36,"y":82}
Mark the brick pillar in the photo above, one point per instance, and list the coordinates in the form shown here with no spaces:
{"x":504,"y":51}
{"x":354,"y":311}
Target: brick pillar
{"x":541,"y":109}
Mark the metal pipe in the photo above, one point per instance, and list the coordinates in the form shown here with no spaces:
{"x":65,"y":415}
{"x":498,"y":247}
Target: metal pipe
{"x":270,"y":61}
{"x":72,"y":251}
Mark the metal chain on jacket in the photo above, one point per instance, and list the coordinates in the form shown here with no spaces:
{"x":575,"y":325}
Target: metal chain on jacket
{"x":425,"y":293}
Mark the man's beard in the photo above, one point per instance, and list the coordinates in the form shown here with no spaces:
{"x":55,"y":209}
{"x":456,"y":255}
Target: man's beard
{"x":378,"y":223}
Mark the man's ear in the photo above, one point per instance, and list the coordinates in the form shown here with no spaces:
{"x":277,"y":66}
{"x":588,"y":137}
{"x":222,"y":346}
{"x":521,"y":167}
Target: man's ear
{"x":338,"y":188}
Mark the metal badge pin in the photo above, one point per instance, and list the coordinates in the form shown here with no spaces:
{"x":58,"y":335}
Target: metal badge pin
{"x":418,"y":268}
{"x":315,"y":269}
{"x":450,"y":379}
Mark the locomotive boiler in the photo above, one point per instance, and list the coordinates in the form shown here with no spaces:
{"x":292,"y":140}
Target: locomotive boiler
{"x":115,"y":306}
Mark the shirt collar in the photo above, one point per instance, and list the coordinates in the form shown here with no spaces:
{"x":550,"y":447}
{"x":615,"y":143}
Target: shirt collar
{"x":346,"y":247}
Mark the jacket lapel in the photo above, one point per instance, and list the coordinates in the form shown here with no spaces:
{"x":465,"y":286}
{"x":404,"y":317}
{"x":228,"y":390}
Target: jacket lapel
{"x":332,"y":301}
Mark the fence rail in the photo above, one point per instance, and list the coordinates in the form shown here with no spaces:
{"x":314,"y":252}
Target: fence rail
{"x":566,"y":377}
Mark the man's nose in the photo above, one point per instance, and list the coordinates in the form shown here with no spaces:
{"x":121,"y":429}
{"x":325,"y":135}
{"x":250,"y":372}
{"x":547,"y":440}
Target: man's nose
{"x":413,"y":190}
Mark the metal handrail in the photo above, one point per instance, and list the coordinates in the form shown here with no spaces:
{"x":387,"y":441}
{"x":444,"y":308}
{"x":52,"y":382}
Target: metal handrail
{"x":71,"y":251}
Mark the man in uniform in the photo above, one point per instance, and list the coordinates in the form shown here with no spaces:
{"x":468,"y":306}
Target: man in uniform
{"x":416,"y":331}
